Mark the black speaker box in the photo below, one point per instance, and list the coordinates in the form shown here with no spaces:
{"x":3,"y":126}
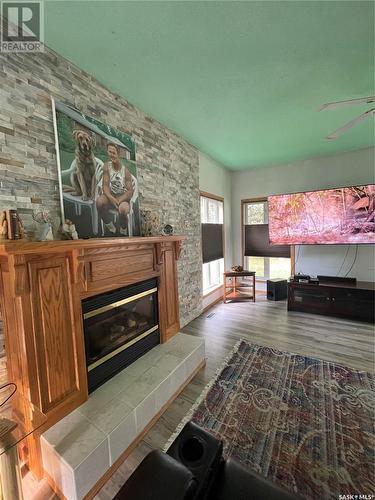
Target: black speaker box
{"x":200,"y":452}
{"x":277,"y":289}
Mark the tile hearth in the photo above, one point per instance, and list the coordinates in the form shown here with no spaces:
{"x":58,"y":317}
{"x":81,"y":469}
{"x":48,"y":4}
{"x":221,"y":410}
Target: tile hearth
{"x":78,"y":450}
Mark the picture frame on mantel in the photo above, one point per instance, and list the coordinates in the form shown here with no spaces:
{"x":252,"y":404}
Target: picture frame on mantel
{"x":97,"y":175}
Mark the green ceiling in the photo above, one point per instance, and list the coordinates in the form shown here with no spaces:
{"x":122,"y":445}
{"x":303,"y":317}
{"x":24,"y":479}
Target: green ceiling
{"x":242,"y":81}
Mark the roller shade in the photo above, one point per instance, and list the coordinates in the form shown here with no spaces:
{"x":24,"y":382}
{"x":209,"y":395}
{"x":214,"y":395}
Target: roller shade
{"x":212,"y":242}
{"x":257,"y":243}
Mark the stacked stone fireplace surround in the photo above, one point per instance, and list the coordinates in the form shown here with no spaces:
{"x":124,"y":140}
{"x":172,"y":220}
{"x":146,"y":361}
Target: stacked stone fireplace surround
{"x":168,"y":168}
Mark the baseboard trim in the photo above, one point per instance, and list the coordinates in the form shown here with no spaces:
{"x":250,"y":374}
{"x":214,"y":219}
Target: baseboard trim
{"x":219,"y":299}
{"x":215,"y":290}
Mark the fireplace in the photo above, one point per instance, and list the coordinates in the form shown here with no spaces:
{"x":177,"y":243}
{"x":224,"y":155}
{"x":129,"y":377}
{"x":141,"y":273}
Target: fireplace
{"x":119,"y":327}
{"x":45,"y":283}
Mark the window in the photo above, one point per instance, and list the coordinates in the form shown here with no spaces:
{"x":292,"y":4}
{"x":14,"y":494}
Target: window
{"x":268,"y":262}
{"x":212,"y":275}
{"x":212,"y":219}
{"x":211,"y":211}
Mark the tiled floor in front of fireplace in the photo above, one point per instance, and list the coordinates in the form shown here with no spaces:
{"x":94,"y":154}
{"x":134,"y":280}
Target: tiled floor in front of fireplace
{"x":79,"y":449}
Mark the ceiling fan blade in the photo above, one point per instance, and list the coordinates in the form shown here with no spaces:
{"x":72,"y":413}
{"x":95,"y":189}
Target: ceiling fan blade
{"x":349,"y":102}
{"x":350,"y":124}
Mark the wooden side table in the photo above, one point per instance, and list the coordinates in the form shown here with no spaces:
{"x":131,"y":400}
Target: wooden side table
{"x":236,"y":287}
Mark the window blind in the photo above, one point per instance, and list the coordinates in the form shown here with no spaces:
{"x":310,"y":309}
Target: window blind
{"x":257,"y":243}
{"x":212,"y":242}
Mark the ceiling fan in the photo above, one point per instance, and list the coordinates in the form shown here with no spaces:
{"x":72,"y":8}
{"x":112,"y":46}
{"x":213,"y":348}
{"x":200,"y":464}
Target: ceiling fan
{"x":355,"y":121}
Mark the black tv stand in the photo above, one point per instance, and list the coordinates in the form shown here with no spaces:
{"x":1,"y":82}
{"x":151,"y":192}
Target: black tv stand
{"x":337,"y":279}
{"x":334,"y":298}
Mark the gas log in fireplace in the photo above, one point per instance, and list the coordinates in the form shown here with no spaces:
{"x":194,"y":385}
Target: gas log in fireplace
{"x":119,"y":327}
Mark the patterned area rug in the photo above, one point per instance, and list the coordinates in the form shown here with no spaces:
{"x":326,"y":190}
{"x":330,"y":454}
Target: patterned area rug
{"x":303,"y":423}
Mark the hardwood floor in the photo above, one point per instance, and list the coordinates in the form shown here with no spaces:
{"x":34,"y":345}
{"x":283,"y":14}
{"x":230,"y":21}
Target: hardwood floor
{"x":267,"y":323}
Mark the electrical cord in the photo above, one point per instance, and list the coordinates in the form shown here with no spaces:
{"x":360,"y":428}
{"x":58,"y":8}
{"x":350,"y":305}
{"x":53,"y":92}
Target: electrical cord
{"x":297,"y":258}
{"x":298,"y":252}
{"x":342,"y":263}
{"x":354,"y":261}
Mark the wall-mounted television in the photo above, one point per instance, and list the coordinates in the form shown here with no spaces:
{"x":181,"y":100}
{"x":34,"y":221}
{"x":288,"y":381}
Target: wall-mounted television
{"x":329,"y":217}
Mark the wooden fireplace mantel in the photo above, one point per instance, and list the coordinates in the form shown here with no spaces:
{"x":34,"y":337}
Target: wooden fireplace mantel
{"x":41,"y":288}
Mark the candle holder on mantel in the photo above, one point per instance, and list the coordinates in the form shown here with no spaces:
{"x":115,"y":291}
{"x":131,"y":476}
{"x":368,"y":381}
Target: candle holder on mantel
{"x":11,"y":226}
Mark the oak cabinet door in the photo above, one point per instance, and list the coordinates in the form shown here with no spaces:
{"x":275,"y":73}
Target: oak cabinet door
{"x":58,"y":335}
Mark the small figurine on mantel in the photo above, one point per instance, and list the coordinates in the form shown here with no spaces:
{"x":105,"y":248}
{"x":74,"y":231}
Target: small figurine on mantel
{"x":3,"y":226}
{"x":150,"y":223}
{"x":167,"y":230}
{"x":69,"y":230}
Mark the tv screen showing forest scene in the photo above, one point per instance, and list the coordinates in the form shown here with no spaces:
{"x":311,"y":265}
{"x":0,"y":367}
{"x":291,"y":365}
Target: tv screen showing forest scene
{"x":333,"y":216}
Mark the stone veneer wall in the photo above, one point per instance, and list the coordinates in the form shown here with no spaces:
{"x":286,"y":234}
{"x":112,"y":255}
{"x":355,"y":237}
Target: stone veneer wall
{"x":168,"y":167}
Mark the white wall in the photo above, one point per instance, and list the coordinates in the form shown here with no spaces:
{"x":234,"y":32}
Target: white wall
{"x":215,"y":179}
{"x":347,"y":169}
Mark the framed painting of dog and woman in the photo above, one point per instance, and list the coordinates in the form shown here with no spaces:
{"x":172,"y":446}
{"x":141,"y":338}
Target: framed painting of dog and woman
{"x":97,"y":174}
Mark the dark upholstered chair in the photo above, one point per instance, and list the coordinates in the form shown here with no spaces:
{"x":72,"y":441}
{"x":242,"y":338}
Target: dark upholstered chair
{"x":159,"y":477}
{"x":194,"y":469}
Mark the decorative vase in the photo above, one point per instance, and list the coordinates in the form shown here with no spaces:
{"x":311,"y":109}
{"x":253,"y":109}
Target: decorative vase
{"x":44,"y":232}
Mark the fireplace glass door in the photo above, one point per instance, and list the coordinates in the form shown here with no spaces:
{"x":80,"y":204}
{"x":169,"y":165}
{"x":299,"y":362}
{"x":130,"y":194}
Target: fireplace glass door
{"x":117,"y":326}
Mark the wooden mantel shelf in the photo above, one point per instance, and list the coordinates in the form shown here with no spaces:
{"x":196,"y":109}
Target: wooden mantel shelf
{"x":42,"y":285}
{"x":9,"y":247}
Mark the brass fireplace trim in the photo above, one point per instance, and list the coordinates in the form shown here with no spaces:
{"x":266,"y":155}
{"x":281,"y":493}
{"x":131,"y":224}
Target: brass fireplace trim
{"x":103,"y":309}
{"x":121,"y":348}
